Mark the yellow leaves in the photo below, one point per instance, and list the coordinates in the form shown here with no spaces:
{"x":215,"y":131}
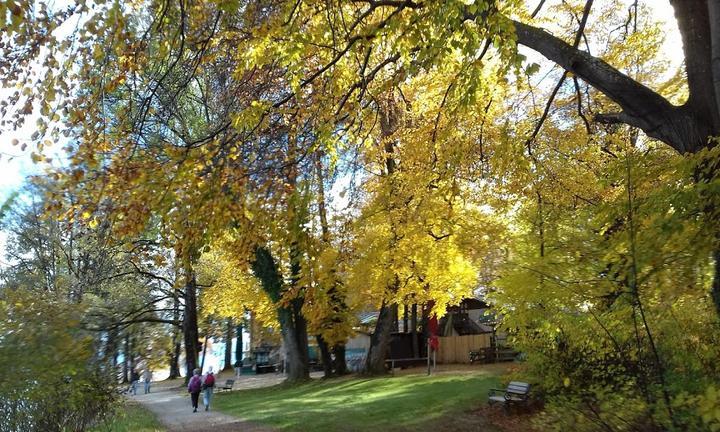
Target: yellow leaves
{"x":705,"y":404}
{"x":98,"y":52}
{"x":234,"y":289}
{"x":250,"y":117}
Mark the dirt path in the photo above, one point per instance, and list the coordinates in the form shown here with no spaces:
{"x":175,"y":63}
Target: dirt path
{"x":172,"y":408}
{"x":171,"y":404}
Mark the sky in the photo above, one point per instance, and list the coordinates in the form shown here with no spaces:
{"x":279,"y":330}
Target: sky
{"x":15,"y":164}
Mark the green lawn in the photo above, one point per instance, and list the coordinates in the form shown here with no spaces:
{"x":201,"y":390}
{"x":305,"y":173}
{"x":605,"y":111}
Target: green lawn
{"x":131,"y":418}
{"x":354,"y":404}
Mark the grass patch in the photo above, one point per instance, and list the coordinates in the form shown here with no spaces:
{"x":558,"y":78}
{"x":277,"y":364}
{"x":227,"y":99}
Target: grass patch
{"x":131,"y":417}
{"x":357,"y":404}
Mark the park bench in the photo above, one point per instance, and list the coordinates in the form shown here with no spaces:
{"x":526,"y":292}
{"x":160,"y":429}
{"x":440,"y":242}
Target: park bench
{"x":516,"y":393}
{"x":482,"y":355}
{"x":227,"y":386}
{"x":505,"y":354}
{"x":404,"y":362}
{"x":492,"y":354}
{"x":267,"y":368}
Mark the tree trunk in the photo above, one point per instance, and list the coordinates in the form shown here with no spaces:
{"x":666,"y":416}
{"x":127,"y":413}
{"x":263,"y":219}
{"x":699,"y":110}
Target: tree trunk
{"x":379,"y":343}
{"x":685,"y":128}
{"x":716,"y":281}
{"x":204,"y":351}
{"x":174,"y":357}
{"x":340,"y":365}
{"x":301,"y":342}
{"x":325,"y":357}
{"x":336,"y":296}
{"x":395,"y":308}
{"x":126,"y":359}
{"x":292,"y":324}
{"x":238,"y":345}
{"x":296,"y":364}
{"x":380,"y":340}
{"x":190,"y":327}
{"x":109,"y":349}
{"x":413,"y":331}
{"x":405,"y":318}
{"x":228,"y":345}
{"x":131,"y":358}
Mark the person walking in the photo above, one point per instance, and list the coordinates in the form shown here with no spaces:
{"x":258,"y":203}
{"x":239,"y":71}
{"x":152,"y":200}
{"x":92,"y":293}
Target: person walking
{"x":208,"y":386}
{"x":194,"y":387}
{"x":147,"y":377}
{"x":134,"y":378}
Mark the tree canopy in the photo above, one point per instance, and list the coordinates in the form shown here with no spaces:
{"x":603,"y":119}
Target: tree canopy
{"x":307,"y":161}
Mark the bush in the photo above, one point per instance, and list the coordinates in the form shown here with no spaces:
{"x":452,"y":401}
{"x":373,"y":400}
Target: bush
{"x":51,"y":380}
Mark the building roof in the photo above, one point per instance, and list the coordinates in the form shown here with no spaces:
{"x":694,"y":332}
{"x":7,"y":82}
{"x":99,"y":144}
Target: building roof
{"x":367,"y":318}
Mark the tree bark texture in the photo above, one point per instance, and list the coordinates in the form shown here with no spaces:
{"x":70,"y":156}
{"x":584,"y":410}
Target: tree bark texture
{"x":413,"y":331}
{"x":685,"y":128}
{"x":190,"y":327}
{"x":379,"y":343}
{"x":325,"y":356}
{"x":405,"y":318}
{"x":228,"y":345}
{"x":292,"y":324}
{"x":204,"y":351}
{"x":126,"y":359}
{"x":238,"y":345}
{"x":174,"y":357}
{"x":339,"y":363}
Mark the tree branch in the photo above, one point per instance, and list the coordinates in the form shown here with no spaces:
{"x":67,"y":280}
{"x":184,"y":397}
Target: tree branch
{"x":679,"y":127}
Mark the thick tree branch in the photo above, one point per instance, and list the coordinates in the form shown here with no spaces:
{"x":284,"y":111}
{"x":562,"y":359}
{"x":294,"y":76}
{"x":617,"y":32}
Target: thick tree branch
{"x":693,"y":21}
{"x":714,"y":17}
{"x":679,"y":127}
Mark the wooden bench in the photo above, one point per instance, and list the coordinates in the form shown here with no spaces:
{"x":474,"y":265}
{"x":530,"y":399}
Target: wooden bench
{"x":266,"y":368}
{"x":482,"y":355}
{"x":227,"y":386}
{"x":404,"y":362}
{"x":505,"y":354}
{"x":516,"y":393}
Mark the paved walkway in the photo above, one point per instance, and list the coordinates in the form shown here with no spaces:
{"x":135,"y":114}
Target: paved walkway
{"x":173,"y":410}
{"x":172,"y":407}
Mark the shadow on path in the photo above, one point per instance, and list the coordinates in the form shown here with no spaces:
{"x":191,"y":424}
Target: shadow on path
{"x":173,"y":409}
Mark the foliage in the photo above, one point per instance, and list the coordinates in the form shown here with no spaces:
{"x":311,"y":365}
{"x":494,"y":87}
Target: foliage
{"x":203,"y":125}
{"x":130,"y":417}
{"x":611,"y":299}
{"x":51,"y":379}
{"x":234,"y":289}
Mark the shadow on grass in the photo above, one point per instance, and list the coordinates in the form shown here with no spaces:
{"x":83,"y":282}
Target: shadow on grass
{"x":361,"y":403}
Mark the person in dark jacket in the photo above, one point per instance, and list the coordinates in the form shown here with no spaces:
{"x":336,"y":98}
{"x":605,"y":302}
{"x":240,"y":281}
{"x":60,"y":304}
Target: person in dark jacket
{"x":194,"y":387}
{"x":134,"y":378}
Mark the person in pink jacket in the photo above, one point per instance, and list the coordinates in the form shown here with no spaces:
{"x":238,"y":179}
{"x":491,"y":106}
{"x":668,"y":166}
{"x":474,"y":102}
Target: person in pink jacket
{"x":194,"y":387}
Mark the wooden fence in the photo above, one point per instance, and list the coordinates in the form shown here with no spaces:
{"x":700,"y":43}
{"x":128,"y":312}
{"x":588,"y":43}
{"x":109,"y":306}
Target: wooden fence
{"x":455,"y":349}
